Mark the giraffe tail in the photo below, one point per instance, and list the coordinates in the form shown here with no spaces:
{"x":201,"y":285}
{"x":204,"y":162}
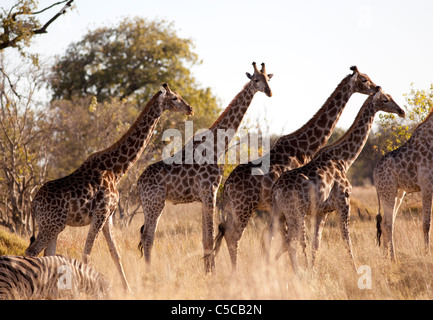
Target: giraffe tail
{"x":378,"y":223}
{"x":32,"y":213}
{"x":219,"y":238}
{"x":217,"y":241}
{"x":140,"y":244}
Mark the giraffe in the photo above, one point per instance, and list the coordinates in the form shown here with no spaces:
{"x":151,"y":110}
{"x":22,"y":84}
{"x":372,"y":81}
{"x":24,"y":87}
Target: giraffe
{"x":245,"y":192}
{"x":185,"y":183}
{"x":406,"y":169}
{"x":89,"y":195}
{"x":321,"y":186}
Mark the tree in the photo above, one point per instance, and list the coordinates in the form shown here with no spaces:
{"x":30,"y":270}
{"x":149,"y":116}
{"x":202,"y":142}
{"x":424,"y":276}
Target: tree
{"x":25,"y":129}
{"x":19,"y":23}
{"x":392,"y":132}
{"x":130,"y":59}
{"x":25,"y":134}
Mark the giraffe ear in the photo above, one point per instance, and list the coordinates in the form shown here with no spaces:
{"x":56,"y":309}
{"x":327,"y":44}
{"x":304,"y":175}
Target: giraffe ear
{"x":163,"y":91}
{"x":249,"y":76}
{"x":270,"y":76}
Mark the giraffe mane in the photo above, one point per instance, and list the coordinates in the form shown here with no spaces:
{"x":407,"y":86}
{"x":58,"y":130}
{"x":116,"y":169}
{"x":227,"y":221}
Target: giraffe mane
{"x":227,"y":109}
{"x":131,"y":128}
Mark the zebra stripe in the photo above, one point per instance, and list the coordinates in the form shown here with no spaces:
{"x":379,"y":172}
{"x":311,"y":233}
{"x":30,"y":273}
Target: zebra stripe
{"x":50,"y":277}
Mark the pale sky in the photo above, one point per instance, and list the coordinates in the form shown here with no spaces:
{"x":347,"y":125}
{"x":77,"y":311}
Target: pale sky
{"x":309,"y":46}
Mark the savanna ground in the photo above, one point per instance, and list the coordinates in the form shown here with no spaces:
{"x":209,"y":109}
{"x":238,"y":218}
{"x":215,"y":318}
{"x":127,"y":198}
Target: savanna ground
{"x":177,"y":266}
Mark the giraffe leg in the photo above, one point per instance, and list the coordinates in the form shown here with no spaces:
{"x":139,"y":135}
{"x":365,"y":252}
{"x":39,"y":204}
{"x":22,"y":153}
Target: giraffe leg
{"x":207,"y":228}
{"x":303,"y":240}
{"x":236,"y":224}
{"x":320,"y":223}
{"x":153,"y":193}
{"x":391,"y":204}
{"x":281,"y":224}
{"x":107,"y":229}
{"x":50,"y":250}
{"x":208,"y":207}
{"x":46,"y":238}
{"x":152,"y":209}
{"x":96,"y":225}
{"x":268,"y":236}
{"x":387,"y":229}
{"x":426,"y":194}
{"x":41,"y":242}
{"x":293,"y":232}
{"x":344,"y":213}
{"x":278,"y":224}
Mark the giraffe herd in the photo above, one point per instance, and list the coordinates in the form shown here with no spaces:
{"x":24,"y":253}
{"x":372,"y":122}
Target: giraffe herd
{"x":305,"y":177}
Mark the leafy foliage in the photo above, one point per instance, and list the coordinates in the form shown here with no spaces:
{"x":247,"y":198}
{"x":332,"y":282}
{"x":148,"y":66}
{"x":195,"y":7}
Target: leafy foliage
{"x":19,"y":24}
{"x":392,"y":131}
{"x":132,"y":58}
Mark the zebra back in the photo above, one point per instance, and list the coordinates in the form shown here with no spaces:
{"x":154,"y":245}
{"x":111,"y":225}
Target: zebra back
{"x":50,"y":277}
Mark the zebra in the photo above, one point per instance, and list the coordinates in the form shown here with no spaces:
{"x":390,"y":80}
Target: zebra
{"x":50,"y":277}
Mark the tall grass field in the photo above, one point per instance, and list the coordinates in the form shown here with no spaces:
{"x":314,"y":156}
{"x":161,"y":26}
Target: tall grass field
{"x":177,"y":270}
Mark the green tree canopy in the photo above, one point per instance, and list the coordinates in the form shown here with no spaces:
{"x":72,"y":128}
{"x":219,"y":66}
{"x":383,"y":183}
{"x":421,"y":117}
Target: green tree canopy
{"x":132,"y":58}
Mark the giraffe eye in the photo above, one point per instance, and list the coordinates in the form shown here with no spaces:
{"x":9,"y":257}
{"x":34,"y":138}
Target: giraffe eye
{"x":364,"y":80}
{"x":256,"y":80}
{"x":174,"y":99}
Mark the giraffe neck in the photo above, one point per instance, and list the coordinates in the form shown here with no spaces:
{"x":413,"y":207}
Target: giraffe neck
{"x":226,"y":125}
{"x":423,"y":132}
{"x":232,"y":116}
{"x":119,"y":157}
{"x":313,"y":135}
{"x":350,"y":145}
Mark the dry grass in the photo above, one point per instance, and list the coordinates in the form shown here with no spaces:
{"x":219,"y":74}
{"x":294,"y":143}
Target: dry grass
{"x":177,"y":267}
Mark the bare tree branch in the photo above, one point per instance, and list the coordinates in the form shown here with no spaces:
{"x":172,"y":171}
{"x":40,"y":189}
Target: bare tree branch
{"x":7,"y":42}
{"x":62,"y":11}
{"x":53,"y":5}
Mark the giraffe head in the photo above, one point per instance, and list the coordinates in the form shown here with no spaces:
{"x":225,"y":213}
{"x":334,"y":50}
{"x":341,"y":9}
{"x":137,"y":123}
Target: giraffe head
{"x":384,"y":102}
{"x":172,"y":101}
{"x":361,"y":83}
{"x":259,"y":80}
